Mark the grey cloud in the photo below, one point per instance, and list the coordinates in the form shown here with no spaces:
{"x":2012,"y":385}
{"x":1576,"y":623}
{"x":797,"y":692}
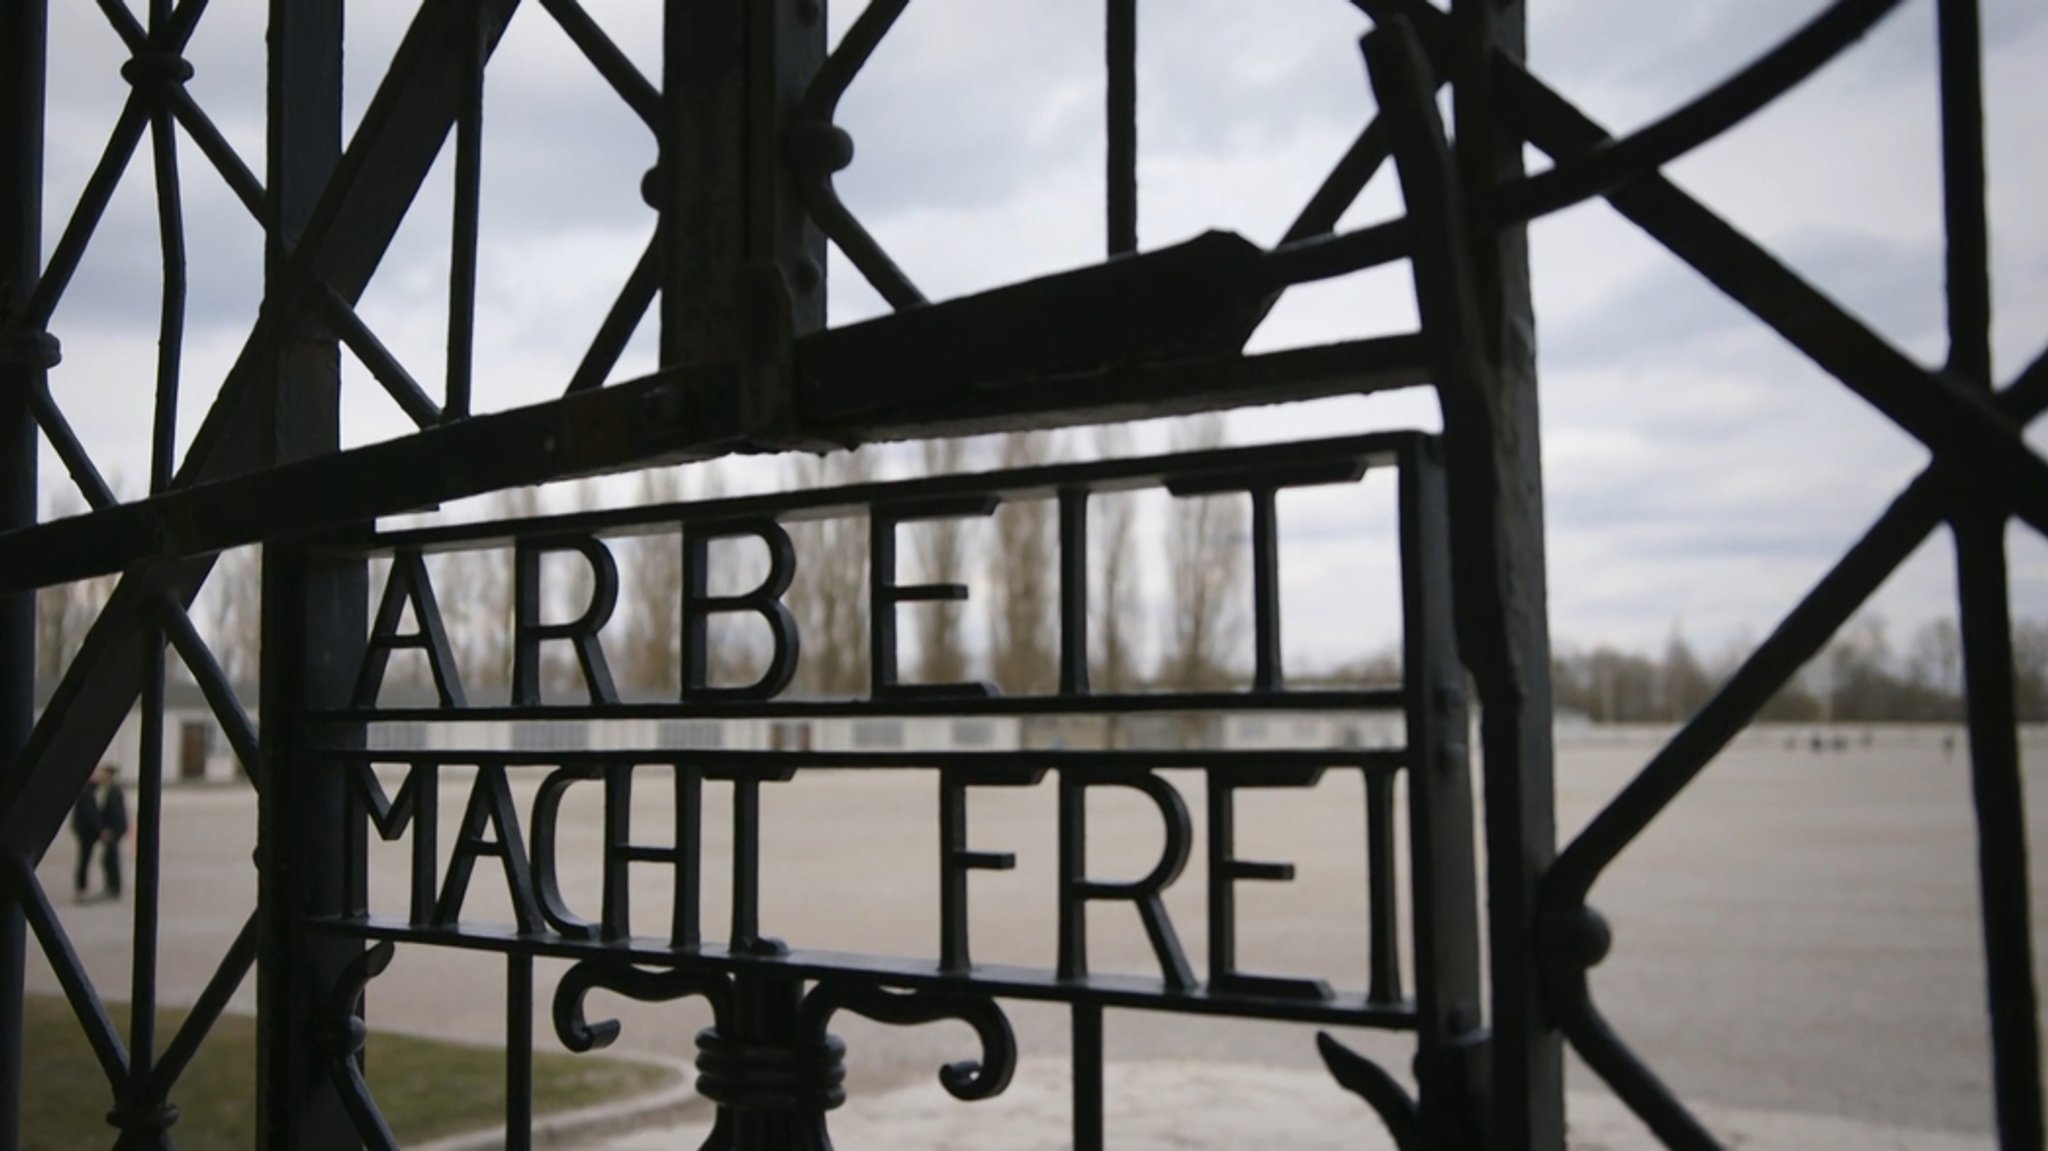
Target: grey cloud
{"x":1671,"y":311}
{"x":1666,"y":53}
{"x":1675,"y":50}
{"x":955,"y":117}
{"x":1745,"y":481}
{"x":119,"y":282}
{"x":951,"y":115}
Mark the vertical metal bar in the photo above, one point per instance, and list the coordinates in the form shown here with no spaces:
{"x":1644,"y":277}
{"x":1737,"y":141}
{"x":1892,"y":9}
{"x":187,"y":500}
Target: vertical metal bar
{"x":23,"y":45}
{"x":148,"y":827}
{"x":518,"y":1051}
{"x":163,"y":447}
{"x":1997,"y":789}
{"x":1122,"y":52}
{"x":1964,"y":209}
{"x":684,"y":914}
{"x":1982,"y":587}
{"x":1087,"y":1077}
{"x":1266,"y":667}
{"x":1073,"y":964}
{"x":746,"y":863}
{"x":1222,"y":834}
{"x":315,"y":621}
{"x":1514,"y":676}
{"x":171,"y":308}
{"x":1074,"y":591}
{"x":1073,"y":852}
{"x":1443,"y":875}
{"x":954,"y":953}
{"x":733,"y":72}
{"x":882,"y":660}
{"x":469,"y":144}
{"x":1382,"y":904}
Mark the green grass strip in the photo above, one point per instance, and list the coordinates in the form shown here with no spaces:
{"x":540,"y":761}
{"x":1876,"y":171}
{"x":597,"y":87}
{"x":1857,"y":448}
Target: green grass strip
{"x":426,"y":1088}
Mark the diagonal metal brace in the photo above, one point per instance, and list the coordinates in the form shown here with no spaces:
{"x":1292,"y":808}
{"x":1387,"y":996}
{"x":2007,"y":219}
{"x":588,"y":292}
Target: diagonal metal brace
{"x":1957,"y":422}
{"x":356,"y":220}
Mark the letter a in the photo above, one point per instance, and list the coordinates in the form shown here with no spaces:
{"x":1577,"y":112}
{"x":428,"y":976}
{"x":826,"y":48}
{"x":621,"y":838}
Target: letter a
{"x":408,"y":584}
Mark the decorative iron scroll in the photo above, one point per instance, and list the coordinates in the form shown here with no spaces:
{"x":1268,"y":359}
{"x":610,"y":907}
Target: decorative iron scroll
{"x":768,"y":1058}
{"x":340,"y":1042}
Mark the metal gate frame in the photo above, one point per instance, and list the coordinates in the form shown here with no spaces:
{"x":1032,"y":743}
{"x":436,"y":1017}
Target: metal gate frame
{"x":746,"y":204}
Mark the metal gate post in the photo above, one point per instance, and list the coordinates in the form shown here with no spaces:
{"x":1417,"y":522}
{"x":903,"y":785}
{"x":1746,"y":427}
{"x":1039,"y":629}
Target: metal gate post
{"x":1512,"y":667}
{"x":734,"y":233}
{"x":314,"y":626}
{"x":24,"y":357}
{"x":1451,"y":1042}
{"x":742,"y":270}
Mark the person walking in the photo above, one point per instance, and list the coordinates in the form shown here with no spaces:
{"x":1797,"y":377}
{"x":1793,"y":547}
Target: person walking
{"x":113,"y":827}
{"x":85,"y":827}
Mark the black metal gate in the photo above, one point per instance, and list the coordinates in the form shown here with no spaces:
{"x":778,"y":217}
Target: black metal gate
{"x":744,"y":118}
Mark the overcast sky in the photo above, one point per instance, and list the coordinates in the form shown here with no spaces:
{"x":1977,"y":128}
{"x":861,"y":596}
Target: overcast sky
{"x":1699,"y":474}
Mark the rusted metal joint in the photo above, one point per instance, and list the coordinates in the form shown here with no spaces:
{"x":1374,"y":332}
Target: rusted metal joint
{"x":28,"y":348}
{"x":1575,"y":938}
{"x":156,"y":70}
{"x":770,"y":400}
{"x":143,"y":1117}
{"x":819,"y":148}
{"x":807,"y":1075}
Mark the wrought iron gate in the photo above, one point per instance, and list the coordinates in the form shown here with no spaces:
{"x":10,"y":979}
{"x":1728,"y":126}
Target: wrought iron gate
{"x":744,"y":196}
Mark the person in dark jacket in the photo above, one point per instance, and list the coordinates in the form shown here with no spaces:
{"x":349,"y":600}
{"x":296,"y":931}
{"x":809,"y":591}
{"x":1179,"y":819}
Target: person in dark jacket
{"x":85,"y":827}
{"x":113,"y":828}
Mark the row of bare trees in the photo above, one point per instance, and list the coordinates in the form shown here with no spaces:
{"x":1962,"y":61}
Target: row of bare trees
{"x":1020,"y":588}
{"x":1006,"y":633}
{"x":1859,"y":678}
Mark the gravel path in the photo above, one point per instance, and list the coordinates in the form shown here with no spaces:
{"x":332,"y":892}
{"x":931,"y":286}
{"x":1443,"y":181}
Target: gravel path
{"x":1798,"y":938}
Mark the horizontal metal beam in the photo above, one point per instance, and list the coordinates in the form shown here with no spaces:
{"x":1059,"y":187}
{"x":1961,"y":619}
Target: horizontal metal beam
{"x":1349,"y":701}
{"x":1005,"y":981}
{"x":670,"y":417}
{"x":1342,"y":458}
{"x":1704,"y":118}
{"x":1147,"y":389}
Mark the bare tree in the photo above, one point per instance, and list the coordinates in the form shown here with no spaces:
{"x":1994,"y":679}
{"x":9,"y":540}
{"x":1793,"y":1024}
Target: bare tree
{"x":1685,"y":682}
{"x":1113,"y":601}
{"x":407,"y":666}
{"x":234,"y":619}
{"x":651,"y":650}
{"x":1858,"y":671}
{"x":64,"y":612}
{"x":475,"y":593}
{"x":737,"y":642}
{"x":942,"y":558}
{"x":1937,"y":657}
{"x":1205,"y":549}
{"x":1021,"y":656}
{"x":829,"y":595}
{"x":566,"y":586}
{"x":59,"y":630}
{"x":2030,"y":669}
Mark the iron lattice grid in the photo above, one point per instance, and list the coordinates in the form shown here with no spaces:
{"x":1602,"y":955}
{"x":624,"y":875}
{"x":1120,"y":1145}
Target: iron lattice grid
{"x":754,"y":369}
